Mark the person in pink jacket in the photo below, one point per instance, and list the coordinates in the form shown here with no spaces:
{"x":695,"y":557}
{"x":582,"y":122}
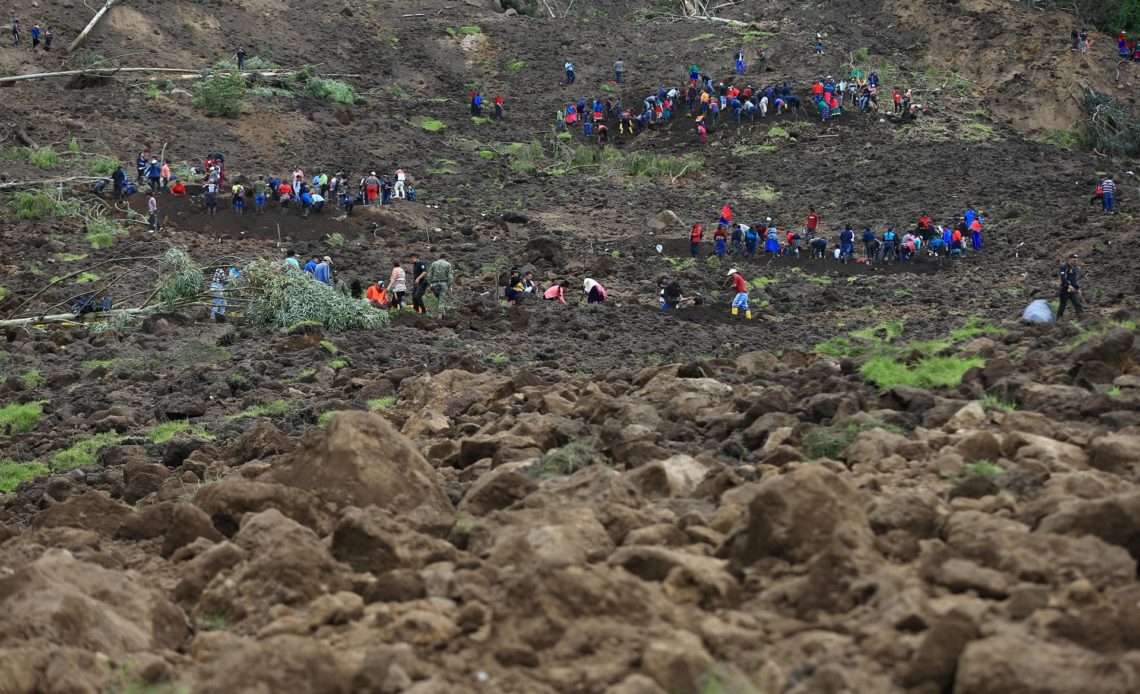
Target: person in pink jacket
{"x":557,"y":292}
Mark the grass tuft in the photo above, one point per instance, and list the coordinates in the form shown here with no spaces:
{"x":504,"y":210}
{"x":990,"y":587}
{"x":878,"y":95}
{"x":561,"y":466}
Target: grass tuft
{"x":161,"y":433}
{"x":20,"y":418}
{"x":83,"y":452}
{"x":13,"y":473}
{"x":381,"y":403}
{"x":268,"y":409}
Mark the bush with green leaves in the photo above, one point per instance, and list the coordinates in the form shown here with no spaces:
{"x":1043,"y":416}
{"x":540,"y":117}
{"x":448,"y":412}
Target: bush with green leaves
{"x":181,"y":278}
{"x":280,"y":297}
{"x":221,"y":95}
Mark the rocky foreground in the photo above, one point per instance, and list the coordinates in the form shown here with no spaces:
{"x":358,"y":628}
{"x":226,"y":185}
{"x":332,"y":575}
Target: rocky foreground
{"x":761,"y":524}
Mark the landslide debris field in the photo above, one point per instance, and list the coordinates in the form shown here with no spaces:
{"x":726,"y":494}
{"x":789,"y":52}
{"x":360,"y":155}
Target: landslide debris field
{"x":884,"y":482}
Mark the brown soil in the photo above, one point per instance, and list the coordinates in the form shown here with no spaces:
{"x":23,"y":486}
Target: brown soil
{"x":577,"y":498}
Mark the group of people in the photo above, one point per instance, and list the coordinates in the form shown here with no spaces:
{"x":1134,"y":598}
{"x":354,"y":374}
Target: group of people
{"x":520,"y":285}
{"x":1127,"y":49}
{"x":708,"y":103}
{"x":40,"y":35}
{"x":764,"y":238}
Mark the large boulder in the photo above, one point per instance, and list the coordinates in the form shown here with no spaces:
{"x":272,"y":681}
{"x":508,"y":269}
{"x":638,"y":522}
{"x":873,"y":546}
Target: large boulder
{"x":228,"y":501}
{"x":373,"y":540}
{"x":90,"y":511}
{"x":543,"y":536}
{"x":1038,"y":557}
{"x":798,"y":515}
{"x":1114,"y":452}
{"x":278,"y":664}
{"x":361,"y":460}
{"x":1016,"y":663}
{"x":287,"y":564}
{"x":688,"y":578}
{"x":74,"y":603}
{"x":1115,"y":519}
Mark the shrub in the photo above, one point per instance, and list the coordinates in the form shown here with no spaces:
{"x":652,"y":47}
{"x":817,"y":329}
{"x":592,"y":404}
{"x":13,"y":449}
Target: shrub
{"x":41,"y":157}
{"x":13,"y":473}
{"x":279,"y":299}
{"x":515,"y":65}
{"x":337,"y":364}
{"x":101,"y":166}
{"x":181,"y":278}
{"x":330,"y":90}
{"x":84,"y":451}
{"x":35,"y":205}
{"x":982,"y":468}
{"x":326,"y":417}
{"x":221,"y":95}
{"x":336,"y":240}
{"x":17,"y":418}
{"x":101,"y":232}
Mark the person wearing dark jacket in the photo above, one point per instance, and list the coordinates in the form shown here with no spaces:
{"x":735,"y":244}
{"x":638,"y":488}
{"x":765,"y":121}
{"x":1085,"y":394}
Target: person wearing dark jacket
{"x":1070,"y":287}
{"x":119,"y":179}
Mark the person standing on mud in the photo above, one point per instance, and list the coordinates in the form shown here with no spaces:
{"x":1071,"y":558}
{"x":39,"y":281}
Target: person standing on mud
{"x":15,"y":32}
{"x":48,"y":36}
{"x":397,"y":285}
{"x":812,"y":223}
{"x":241,"y":57}
{"x":740,"y":300}
{"x":695,"y":236}
{"x":619,"y":70}
{"x":35,"y":37}
{"x":419,"y":283}
{"x":152,"y":213}
{"x":1108,"y":193}
{"x":440,"y":277}
{"x":118,"y":180}
{"x":569,"y":67}
{"x":1070,"y":287}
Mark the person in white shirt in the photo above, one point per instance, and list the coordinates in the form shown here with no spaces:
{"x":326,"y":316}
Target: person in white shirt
{"x":400,"y":178}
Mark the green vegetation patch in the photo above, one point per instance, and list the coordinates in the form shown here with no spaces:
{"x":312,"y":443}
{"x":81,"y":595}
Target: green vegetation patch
{"x":830,"y":442}
{"x":32,"y":379}
{"x":269,"y":409}
{"x":83,"y":452}
{"x":19,"y":418}
{"x":927,"y":372}
{"x":564,"y":461}
{"x":13,"y":473}
{"x":161,"y":433}
{"x":381,"y":403}
{"x":429,"y":124}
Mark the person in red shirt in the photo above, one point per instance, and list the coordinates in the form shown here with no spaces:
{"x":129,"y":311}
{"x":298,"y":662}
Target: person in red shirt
{"x":726,"y":215}
{"x":897,"y":98}
{"x":695,"y":236}
{"x":498,"y":106}
{"x":812,"y":222}
{"x":720,"y":238}
{"x":556,"y":292}
{"x":740,"y":301}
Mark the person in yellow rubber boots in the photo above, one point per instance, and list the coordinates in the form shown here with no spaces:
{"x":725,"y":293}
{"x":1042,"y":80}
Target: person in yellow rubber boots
{"x":741,"y":289}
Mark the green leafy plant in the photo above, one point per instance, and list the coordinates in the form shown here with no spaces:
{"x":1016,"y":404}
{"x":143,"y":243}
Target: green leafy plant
{"x":86,"y":278}
{"x":13,"y":473}
{"x":515,"y":65}
{"x":429,"y":124}
{"x":32,"y":380}
{"x":181,"y":278}
{"x":69,"y":257}
{"x":928,"y":372}
{"x":982,"y":468}
{"x":326,"y":417}
{"x":993,"y":402}
{"x":101,"y":166}
{"x":329,"y":347}
{"x":221,"y":95}
{"x":279,"y":299}
{"x":336,"y":364}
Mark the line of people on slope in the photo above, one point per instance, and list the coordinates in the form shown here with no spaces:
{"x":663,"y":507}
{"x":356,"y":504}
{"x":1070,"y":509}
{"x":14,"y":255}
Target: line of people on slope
{"x":38,"y":34}
{"x":521,"y":285}
{"x":743,"y":240}
{"x":436,"y":278}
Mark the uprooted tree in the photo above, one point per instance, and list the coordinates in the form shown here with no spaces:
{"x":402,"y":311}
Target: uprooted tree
{"x":269,"y":293}
{"x":1113,"y":130}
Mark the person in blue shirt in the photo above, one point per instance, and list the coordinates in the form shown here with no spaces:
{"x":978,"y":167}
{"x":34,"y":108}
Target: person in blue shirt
{"x":740,"y":62}
{"x":737,"y":240}
{"x":291,"y":259}
{"x":323,"y":271}
{"x":751,"y":240}
{"x":35,"y":36}
{"x":569,"y":67}
{"x":890,"y":243}
{"x":846,"y":243}
{"x":311,"y":266}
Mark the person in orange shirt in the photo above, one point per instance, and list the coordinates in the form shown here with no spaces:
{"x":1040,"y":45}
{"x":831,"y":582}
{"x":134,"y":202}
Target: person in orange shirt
{"x":165,"y":174}
{"x":179,"y":188}
{"x":377,"y":294}
{"x":740,"y":287}
{"x":556,"y":292}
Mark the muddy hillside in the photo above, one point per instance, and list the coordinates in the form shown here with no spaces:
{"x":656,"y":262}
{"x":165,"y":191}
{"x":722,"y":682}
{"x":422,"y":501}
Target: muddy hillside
{"x":875,"y":477}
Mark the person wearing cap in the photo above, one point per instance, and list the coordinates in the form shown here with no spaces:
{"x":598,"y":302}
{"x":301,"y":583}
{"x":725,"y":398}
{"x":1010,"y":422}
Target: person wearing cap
{"x":695,"y":236}
{"x":377,"y":294}
{"x":1070,"y":287}
{"x":397,"y":285}
{"x":740,"y":301}
{"x":154,"y":175}
{"x":323,"y":271}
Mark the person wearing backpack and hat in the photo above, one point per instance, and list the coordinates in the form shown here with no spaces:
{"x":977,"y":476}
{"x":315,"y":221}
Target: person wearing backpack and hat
{"x":740,"y":301}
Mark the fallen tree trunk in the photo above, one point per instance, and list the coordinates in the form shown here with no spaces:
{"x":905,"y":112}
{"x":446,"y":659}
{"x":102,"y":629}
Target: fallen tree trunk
{"x":90,"y":25}
{"x":186,"y":73}
{"x":47,"y":181}
{"x":70,"y":317}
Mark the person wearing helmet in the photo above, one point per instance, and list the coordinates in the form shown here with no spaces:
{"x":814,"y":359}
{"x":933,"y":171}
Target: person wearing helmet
{"x":740,"y":301}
